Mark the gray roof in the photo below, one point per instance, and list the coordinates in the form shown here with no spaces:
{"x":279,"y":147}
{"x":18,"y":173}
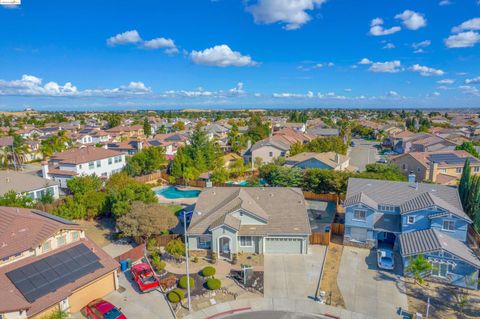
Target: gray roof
{"x":320,"y":131}
{"x":407,"y":196}
{"x":21,"y":183}
{"x":387,"y":222}
{"x":271,"y":142}
{"x":284,"y":210}
{"x":431,"y":240}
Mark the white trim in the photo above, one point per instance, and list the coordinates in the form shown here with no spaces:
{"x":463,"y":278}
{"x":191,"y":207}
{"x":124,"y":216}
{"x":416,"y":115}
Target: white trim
{"x":240,"y":241}
{"x":229,"y":246}
{"x":408,"y":220}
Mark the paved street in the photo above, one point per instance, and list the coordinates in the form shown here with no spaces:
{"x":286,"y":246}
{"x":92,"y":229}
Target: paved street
{"x":137,"y":305}
{"x":367,"y":290}
{"x":363,"y":153}
{"x":293,"y":276}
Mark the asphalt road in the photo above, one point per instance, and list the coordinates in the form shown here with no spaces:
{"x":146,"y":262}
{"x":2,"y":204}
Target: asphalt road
{"x":272,"y":315}
{"x":363,"y":153}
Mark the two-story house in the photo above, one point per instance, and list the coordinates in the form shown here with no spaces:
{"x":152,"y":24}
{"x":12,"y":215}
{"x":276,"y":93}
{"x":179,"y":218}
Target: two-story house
{"x":47,"y":264}
{"x":83,"y":161}
{"x":230,"y":220}
{"x":413,"y":218}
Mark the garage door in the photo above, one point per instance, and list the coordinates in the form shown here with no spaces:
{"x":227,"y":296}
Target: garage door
{"x":95,"y":290}
{"x":359,"y":234}
{"x":283,"y":246}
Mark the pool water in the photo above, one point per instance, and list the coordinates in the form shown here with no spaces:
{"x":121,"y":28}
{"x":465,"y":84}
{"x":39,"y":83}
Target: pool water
{"x":261,"y":182}
{"x":171,"y":192}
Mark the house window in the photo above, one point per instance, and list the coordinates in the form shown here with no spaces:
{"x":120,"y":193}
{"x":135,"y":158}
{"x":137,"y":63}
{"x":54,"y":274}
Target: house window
{"x":418,"y":169}
{"x":440,"y":269}
{"x":99,"y":163}
{"x":246,"y":241}
{"x":204,"y":242}
{"x":448,"y":225}
{"x":443,"y":170}
{"x":476,"y":169}
{"x":80,"y":166}
{"x":91,"y":165}
{"x":359,"y":214}
{"x":459,"y":170}
{"x":386,"y":208}
{"x":75,"y":235}
{"x":61,"y":241}
{"x":46,"y":246}
{"x":110,"y":161}
{"x":404,"y":167}
{"x":270,"y":154}
{"x":410,"y":220}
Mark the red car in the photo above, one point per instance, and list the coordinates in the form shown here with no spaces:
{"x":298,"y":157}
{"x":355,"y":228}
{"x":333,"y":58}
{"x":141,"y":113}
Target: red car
{"x":144,"y":277}
{"x":101,"y":309}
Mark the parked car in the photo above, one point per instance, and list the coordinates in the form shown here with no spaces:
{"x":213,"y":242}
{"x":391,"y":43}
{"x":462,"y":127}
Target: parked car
{"x":101,"y":309}
{"x":382,"y":161}
{"x":353,"y":144}
{"x":385,"y":259}
{"x":144,"y":276}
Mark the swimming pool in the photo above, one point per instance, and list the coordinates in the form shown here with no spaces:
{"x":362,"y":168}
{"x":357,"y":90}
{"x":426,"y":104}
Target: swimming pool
{"x":261,"y":182}
{"x":172,"y":192}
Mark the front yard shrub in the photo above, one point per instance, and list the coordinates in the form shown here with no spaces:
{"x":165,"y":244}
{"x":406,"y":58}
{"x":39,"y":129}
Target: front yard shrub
{"x":157,"y":262}
{"x":209,"y":271}
{"x":214,"y":284}
{"x":214,"y":258}
{"x":176,"y":248}
{"x":151,"y":245}
{"x":168,"y":282}
{"x":183,"y":282}
{"x":176,"y":296}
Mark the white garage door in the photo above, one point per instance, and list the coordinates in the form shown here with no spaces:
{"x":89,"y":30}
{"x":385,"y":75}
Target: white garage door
{"x":283,"y":246}
{"x":359,"y":234}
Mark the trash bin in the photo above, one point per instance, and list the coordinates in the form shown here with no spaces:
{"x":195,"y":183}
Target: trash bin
{"x":123,"y":265}
{"x":129,"y":263}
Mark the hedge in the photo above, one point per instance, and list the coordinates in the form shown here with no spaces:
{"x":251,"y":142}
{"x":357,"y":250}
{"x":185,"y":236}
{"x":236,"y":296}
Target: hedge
{"x":214,"y":284}
{"x":209,"y":271}
{"x":176,"y":296}
{"x":183,"y":282}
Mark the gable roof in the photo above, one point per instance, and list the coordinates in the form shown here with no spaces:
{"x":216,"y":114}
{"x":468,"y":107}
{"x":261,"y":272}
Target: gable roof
{"x":21,"y":183}
{"x":283,"y":209}
{"x":426,"y":200}
{"x":270,"y":141}
{"x":431,"y":240}
{"x":83,"y":155}
{"x":327,"y":158}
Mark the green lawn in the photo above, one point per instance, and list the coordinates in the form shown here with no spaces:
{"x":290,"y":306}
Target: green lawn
{"x":176,"y":209}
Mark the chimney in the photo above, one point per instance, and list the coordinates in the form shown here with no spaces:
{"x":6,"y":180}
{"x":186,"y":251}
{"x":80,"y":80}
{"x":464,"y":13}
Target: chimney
{"x":433,"y":172}
{"x":139,"y":145}
{"x":411,"y":177}
{"x":45,"y":170}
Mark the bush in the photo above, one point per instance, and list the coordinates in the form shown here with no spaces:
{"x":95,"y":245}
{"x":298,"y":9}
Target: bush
{"x":175,"y":248}
{"x":157,"y":262}
{"x":176,"y":296}
{"x":195,"y":259}
{"x":183,"y":282}
{"x":152,"y":245}
{"x":214,"y":284}
{"x":209,"y":271}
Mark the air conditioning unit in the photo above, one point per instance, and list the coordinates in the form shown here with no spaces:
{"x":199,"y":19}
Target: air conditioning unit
{"x":418,"y":315}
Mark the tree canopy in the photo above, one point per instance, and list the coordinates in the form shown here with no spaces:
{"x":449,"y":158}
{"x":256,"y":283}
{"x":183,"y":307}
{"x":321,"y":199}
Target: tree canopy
{"x":146,"y":161}
{"x":468,"y":147}
{"x":321,"y":145}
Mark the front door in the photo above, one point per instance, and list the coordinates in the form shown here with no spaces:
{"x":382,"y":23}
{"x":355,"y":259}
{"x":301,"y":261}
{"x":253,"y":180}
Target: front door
{"x":224,"y":247}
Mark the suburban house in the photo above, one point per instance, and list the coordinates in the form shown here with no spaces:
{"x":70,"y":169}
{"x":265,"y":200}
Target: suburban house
{"x":328,"y":160}
{"x":443,"y":167}
{"x":321,"y":131}
{"x":406,"y":142}
{"x":413,"y":218}
{"x":128,"y":147}
{"x":47,"y":264}
{"x":230,"y":220}
{"x":83,"y":161}
{"x":30,"y":185}
{"x":124,"y":131}
{"x":267,"y":150}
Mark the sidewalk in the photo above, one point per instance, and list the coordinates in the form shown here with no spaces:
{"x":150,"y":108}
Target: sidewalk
{"x":269,"y":304}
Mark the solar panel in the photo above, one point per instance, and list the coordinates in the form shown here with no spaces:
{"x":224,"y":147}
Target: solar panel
{"x":449,"y":158}
{"x":53,"y":217}
{"x":53,"y":272}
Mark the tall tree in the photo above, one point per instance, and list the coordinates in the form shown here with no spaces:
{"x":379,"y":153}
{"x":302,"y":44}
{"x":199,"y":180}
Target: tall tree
{"x":147,"y":128}
{"x":465,"y":181}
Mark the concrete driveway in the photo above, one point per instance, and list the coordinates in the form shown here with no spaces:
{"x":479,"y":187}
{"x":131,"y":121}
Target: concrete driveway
{"x":293,"y":276}
{"x":363,"y":153}
{"x":368,"y":290}
{"x":137,"y":305}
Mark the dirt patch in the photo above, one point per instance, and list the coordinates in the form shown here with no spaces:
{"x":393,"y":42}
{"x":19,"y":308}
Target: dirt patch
{"x":444,"y":300}
{"x":101,"y":231}
{"x":255,"y":260}
{"x":329,"y":280}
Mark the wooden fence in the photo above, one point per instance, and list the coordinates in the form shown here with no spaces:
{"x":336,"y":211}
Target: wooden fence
{"x":153,"y":177}
{"x":337,"y":229}
{"x":320,"y":239}
{"x":133,"y":254}
{"x":163,"y":240}
{"x":323,"y":197}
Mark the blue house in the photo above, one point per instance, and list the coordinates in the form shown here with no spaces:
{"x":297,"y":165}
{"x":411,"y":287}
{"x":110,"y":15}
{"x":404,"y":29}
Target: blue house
{"x":413,"y":218}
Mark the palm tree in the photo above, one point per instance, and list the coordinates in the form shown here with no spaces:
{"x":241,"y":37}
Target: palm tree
{"x":418,"y":267}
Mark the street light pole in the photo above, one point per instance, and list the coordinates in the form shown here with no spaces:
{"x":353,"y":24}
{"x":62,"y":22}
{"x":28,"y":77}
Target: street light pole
{"x":186,"y":255}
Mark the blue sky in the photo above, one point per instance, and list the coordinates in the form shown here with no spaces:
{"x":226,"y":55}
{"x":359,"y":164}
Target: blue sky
{"x":92,"y":55}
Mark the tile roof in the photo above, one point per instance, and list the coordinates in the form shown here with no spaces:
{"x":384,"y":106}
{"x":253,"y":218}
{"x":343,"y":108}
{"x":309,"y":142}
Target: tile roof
{"x":283,"y":209}
{"x":21,"y":183}
{"x":83,"y":155}
{"x":6,"y":141}
{"x":426,"y":200}
{"x":431,"y":240}
{"x":22,"y":229}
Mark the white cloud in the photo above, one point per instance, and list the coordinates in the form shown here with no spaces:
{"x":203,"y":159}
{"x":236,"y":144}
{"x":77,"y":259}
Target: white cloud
{"x":472,"y":25}
{"x":422,"y":44}
{"x":30,"y":85}
{"x":389,"y":46}
{"x":377,"y":29}
{"x":292,"y":13}
{"x":221,"y":56}
{"x":365,"y":61}
{"x":393,"y":94}
{"x":470,"y":90}
{"x":386,"y":67}
{"x":238,"y":89}
{"x":446,"y":81}
{"x":435,"y":93}
{"x":425,"y":70}
{"x":412,"y":20}
{"x":161,"y":43}
{"x":128,"y":37}
{"x":444,"y":3}
{"x":463,"y":40}
{"x":473,"y":81}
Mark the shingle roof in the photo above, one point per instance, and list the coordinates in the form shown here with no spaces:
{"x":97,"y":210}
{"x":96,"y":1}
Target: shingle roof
{"x":21,"y":183}
{"x":431,"y":240}
{"x":283,"y":209}
{"x":228,"y":220}
{"x":327,"y":158}
{"x":271,"y":142}
{"x":398,"y":193}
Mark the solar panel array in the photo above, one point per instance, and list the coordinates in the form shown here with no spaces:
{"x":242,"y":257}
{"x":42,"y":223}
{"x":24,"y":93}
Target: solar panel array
{"x":449,"y":158}
{"x":53,"y":272}
{"x":53,"y":217}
